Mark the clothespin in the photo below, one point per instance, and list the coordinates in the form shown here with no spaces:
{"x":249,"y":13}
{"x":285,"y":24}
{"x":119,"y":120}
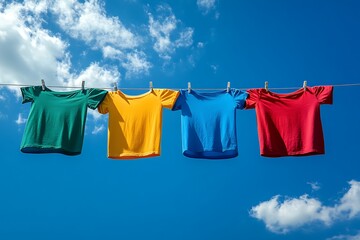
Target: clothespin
{"x":305,"y":85}
{"x":151,"y":85}
{"x":115,"y":86}
{"x":43,"y":84}
{"x":83,"y":85}
{"x":189,"y":87}
{"x":228,"y":87}
{"x":267,"y":86}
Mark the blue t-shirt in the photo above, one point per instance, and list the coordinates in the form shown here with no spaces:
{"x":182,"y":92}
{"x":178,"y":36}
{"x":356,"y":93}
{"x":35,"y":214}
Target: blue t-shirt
{"x":208,"y":122}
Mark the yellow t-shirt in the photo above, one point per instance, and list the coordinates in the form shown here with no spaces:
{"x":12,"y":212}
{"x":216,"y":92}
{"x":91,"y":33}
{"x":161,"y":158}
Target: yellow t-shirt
{"x":134,"y":127}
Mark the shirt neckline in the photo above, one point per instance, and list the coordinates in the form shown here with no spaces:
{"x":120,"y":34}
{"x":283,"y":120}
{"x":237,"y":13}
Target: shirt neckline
{"x":206,"y":94}
{"x":285,"y":95}
{"x":64,"y":92}
{"x":134,"y":96}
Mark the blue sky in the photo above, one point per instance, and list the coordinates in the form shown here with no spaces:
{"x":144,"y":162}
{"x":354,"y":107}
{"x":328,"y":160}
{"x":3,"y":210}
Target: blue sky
{"x":208,"y":43}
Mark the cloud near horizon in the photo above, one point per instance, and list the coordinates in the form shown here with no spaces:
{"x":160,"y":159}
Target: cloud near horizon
{"x":294,"y":213}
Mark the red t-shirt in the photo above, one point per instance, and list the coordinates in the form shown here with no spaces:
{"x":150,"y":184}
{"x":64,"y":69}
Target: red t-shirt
{"x":290,"y":124}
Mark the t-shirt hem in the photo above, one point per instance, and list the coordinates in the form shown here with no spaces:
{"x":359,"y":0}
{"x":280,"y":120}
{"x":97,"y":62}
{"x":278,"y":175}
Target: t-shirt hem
{"x":132,"y":156}
{"x":51,"y":149}
{"x":293,"y":154}
{"x":207,"y":154}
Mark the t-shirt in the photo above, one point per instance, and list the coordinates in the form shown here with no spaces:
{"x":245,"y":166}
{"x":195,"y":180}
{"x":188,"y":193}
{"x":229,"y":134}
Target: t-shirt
{"x":290,"y":124}
{"x":134,"y":126}
{"x":208,"y":122}
{"x":56,"y":120}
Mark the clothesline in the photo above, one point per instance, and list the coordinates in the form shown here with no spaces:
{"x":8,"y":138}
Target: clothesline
{"x":208,"y":122}
{"x":141,"y":88}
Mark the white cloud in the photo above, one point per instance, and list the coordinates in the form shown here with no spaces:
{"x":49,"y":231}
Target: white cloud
{"x":163,"y":28}
{"x":30,"y":53}
{"x":200,"y":44}
{"x":98,"y":129}
{"x":349,"y":205}
{"x":37,"y":6}
{"x":20,"y":120}
{"x":136,"y":64}
{"x":95,"y":76}
{"x":206,"y":5}
{"x":293,"y":213}
{"x":87,"y":21}
{"x":346,"y":237}
{"x":185,"y":39}
{"x":315,"y":186}
{"x":113,"y":53}
{"x":160,"y":30}
{"x":2,"y":98}
{"x":95,"y":114}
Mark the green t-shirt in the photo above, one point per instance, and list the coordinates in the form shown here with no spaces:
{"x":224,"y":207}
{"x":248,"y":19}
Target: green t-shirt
{"x":56,"y":120}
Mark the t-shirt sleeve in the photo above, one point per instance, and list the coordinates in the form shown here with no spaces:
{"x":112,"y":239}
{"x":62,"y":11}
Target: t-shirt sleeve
{"x":168,"y":98}
{"x":324,"y":94}
{"x":252,"y":98}
{"x":95,"y":97}
{"x":103,"y":107}
{"x":240,"y":98}
{"x":28,"y":93}
{"x":179,"y":102}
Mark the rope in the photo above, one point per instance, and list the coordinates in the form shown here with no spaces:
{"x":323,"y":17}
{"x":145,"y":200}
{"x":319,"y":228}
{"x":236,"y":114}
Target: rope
{"x":204,"y":89}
